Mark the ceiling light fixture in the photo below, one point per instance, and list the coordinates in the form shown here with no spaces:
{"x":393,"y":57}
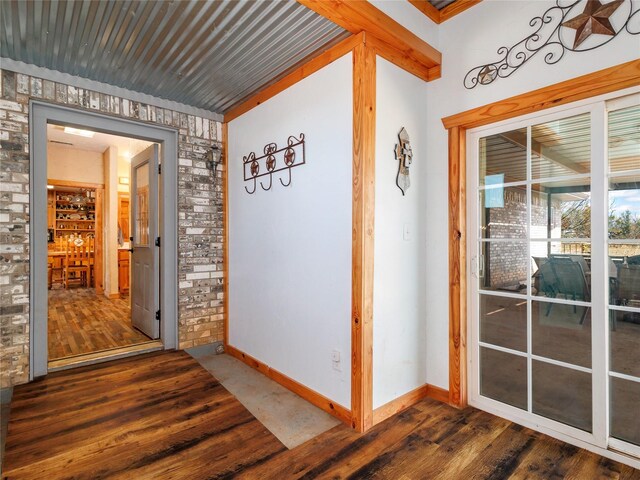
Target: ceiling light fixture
{"x":79,"y":132}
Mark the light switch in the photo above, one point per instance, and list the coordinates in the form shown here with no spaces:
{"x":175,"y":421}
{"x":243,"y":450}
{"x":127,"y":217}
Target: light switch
{"x":406,"y":232}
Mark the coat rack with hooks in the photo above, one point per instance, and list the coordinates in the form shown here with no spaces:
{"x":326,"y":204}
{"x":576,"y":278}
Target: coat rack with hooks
{"x":273,"y":161}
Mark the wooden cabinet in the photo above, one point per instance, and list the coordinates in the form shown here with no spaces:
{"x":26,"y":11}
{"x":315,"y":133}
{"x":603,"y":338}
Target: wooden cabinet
{"x":67,"y":217}
{"x":123,"y":271}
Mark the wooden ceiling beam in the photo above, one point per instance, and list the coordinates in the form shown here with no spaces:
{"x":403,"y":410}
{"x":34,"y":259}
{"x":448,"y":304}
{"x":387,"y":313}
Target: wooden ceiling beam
{"x":451,"y":10}
{"x":400,"y":59}
{"x":429,"y":10}
{"x":402,"y":46}
{"x":455,"y":8}
{"x":303,"y":71}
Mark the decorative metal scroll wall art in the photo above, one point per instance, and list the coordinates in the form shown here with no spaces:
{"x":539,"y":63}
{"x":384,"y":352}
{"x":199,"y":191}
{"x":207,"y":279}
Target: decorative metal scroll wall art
{"x":273,"y":161}
{"x":594,"y":24}
{"x":404,"y":155}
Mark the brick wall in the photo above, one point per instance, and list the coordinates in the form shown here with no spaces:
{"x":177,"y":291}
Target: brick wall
{"x":200,"y":216}
{"x":509,"y":261}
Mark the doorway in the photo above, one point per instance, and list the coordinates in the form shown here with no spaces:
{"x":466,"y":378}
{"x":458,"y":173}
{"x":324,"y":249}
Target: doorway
{"x":84,"y":276}
{"x":554,"y":249}
{"x":89,"y":252}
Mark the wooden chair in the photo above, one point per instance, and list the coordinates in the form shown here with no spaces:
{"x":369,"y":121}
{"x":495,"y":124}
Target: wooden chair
{"x":55,"y":263}
{"x":78,"y":262}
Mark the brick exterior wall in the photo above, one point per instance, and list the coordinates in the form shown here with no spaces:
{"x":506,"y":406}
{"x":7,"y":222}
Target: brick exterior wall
{"x":509,"y":261}
{"x":200,"y":215}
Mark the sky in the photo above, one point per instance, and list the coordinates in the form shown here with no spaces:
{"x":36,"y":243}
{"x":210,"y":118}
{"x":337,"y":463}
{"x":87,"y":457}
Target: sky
{"x":622,"y":200}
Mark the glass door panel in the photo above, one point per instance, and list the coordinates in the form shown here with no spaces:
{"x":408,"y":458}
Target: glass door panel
{"x":141,"y":189}
{"x":562,"y":394}
{"x":503,"y":377}
{"x":503,"y":158}
{"x":561,"y":147}
{"x":624,"y":273}
{"x":532,"y":269}
{"x":503,"y":322}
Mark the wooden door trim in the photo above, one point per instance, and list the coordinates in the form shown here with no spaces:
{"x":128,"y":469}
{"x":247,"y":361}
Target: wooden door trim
{"x":364,"y":129}
{"x":592,"y":85}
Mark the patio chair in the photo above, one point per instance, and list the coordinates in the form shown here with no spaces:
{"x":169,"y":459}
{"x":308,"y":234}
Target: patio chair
{"x":628,"y":284}
{"x":561,"y":276}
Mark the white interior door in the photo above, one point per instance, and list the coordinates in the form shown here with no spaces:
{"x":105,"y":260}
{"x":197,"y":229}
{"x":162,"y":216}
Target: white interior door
{"x":554,"y":298}
{"x":144,"y":257}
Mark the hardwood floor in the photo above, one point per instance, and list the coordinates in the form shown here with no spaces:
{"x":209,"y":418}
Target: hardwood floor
{"x":163,"y":416}
{"x":154,"y":416}
{"x":82,"y":322}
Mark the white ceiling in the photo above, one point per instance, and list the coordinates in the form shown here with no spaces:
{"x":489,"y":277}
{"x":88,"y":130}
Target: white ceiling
{"x":99,"y":143}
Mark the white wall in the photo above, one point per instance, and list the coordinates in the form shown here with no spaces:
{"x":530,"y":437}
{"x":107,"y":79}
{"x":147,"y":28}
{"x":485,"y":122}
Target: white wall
{"x":467,"y":40}
{"x":72,"y":164}
{"x":399,"y":318}
{"x":124,"y":165}
{"x":290,"y":248}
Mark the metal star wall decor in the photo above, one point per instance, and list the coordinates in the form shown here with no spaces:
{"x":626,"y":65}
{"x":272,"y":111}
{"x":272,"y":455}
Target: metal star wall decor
{"x":594,"y":22}
{"x":594,"y":19}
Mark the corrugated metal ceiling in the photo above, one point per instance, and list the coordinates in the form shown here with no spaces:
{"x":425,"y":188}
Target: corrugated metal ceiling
{"x":440,"y":4}
{"x":208,"y":54}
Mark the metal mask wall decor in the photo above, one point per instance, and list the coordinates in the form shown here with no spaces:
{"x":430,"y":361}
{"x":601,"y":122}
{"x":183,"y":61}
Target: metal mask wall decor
{"x":273,"y":161}
{"x":563,"y":27}
{"x":404,"y":155}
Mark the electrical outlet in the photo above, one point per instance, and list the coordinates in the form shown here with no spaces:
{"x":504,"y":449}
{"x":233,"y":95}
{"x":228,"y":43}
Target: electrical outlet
{"x":335,"y":359}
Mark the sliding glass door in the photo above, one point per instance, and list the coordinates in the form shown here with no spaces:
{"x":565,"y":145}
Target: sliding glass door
{"x":623,"y":237}
{"x":554,"y":255}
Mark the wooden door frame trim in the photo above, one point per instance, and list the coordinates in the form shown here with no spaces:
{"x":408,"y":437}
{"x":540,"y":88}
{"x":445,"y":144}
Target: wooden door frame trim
{"x":594,"y":84}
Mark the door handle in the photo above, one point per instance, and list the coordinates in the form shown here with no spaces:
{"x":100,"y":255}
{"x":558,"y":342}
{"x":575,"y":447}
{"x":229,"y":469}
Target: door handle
{"x":130,"y":249}
{"x":477,"y":266}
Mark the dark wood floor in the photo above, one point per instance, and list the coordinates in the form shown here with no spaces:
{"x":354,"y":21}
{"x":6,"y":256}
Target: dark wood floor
{"x":156,"y":416}
{"x":163,"y":416}
{"x":82,"y":322}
